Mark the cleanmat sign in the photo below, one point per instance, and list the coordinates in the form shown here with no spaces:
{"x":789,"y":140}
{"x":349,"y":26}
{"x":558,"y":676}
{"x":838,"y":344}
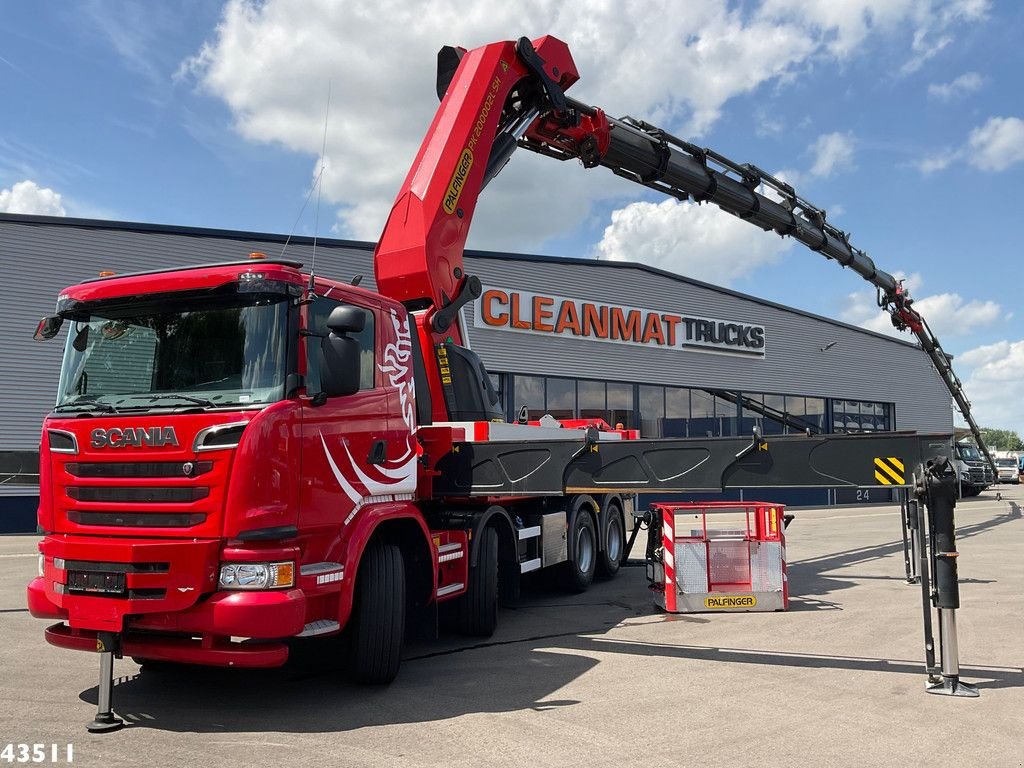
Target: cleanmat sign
{"x":524,"y":312}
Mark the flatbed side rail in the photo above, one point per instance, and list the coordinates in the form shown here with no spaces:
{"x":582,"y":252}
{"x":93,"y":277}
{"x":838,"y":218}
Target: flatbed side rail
{"x":556,"y":467}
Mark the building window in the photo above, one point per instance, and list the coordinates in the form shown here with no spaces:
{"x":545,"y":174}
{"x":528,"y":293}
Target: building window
{"x":652,"y":410}
{"x":677,"y":412}
{"x":592,"y":402}
{"x":814,"y":413}
{"x":561,"y":398}
{"x":861,"y":416}
{"x":726,"y":411}
{"x":498,"y":382}
{"x":702,"y":414}
{"x":528,"y":391}
{"x":620,"y":405}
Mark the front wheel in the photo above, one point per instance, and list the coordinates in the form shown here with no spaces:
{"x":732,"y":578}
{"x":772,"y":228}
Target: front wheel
{"x":379,"y":614}
{"x":579,"y":572}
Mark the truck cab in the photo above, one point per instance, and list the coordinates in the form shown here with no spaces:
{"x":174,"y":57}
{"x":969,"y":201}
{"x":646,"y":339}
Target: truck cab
{"x":973,"y":470}
{"x":211,"y":430}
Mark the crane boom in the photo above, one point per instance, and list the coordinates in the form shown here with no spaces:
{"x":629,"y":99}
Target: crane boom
{"x":650,"y":156}
{"x":505,"y":95}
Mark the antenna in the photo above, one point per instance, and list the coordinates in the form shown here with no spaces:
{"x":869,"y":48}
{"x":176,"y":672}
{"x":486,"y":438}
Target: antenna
{"x":319,"y":191}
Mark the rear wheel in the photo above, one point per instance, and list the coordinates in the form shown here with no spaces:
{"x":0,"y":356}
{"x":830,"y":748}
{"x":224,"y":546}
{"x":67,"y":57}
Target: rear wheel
{"x":379,"y":614}
{"x":579,"y":572}
{"x":610,"y":558}
{"x":478,"y":608}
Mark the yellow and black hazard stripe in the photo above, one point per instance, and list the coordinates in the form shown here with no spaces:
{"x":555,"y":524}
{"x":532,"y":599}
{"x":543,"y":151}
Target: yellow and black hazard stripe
{"x":889,"y":471}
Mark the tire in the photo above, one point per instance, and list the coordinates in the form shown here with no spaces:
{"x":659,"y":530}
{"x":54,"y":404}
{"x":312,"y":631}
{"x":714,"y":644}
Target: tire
{"x":379,"y":615}
{"x":610,"y":558}
{"x":478,"y":608}
{"x":579,"y":571}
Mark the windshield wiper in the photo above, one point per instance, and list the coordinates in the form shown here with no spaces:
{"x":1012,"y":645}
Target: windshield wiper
{"x":198,"y":400}
{"x":87,"y":403}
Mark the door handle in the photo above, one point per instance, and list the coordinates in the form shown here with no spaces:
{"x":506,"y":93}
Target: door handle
{"x":378,"y":452}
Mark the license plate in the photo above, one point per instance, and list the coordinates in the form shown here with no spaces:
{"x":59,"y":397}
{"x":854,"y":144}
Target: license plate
{"x":94,"y":582}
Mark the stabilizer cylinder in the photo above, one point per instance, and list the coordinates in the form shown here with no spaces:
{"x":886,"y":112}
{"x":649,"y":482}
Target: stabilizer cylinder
{"x":941,"y":501}
{"x":105,"y":720}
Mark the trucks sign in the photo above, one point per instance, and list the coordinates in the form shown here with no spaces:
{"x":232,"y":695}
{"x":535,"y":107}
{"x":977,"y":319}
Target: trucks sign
{"x":525,"y":312}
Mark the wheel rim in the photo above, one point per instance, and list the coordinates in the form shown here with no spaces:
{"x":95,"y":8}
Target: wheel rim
{"x":613,"y":548}
{"x":584,"y":550}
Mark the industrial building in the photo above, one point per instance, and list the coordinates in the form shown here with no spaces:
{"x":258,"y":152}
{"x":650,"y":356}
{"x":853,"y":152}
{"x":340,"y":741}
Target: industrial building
{"x":634,"y":345}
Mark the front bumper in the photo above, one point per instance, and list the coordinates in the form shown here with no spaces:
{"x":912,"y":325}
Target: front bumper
{"x":186,"y":650}
{"x":169,"y":608}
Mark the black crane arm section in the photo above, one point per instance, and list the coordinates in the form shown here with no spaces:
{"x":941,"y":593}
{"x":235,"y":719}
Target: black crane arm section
{"x":648,"y":155}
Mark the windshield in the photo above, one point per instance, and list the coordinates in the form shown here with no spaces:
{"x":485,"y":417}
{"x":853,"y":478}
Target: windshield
{"x":1006,"y":462}
{"x":968,"y":452}
{"x":211,"y":350}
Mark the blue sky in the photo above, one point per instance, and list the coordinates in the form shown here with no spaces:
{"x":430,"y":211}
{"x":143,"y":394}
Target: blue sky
{"x":902,"y":118}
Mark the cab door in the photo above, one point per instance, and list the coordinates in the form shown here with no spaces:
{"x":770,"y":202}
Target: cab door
{"x":341,"y":435}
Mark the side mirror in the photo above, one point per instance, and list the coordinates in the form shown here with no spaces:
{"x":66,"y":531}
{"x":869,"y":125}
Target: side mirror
{"x":48,"y":327}
{"x":339,"y":367}
{"x":347,"y":319}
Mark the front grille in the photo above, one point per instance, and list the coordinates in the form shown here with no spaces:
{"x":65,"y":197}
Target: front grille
{"x":137,"y":519}
{"x":138,"y":494}
{"x":138,"y":468}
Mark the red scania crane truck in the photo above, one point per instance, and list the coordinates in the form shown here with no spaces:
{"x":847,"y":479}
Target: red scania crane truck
{"x":243,"y":453}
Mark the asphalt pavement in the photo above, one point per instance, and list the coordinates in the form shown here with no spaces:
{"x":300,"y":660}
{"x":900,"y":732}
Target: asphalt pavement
{"x":601,"y":679}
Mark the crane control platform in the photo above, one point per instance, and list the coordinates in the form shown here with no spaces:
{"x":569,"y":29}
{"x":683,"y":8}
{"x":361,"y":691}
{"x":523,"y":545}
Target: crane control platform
{"x":735,"y":563}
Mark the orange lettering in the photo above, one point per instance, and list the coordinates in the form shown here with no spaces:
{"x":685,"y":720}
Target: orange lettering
{"x":541,"y":313}
{"x":627,"y":330}
{"x":485,"y":307}
{"x":671,"y":321}
{"x":568,"y":318}
{"x":517,"y":322}
{"x":595,"y":321}
{"x":652,"y":330}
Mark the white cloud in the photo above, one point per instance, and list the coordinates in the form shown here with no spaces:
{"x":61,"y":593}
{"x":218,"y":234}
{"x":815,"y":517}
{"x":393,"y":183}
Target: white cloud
{"x":699,"y":241}
{"x":997,"y":144}
{"x":271,"y":62}
{"x":994,"y":146}
{"x":832,"y":152}
{"x":995,"y":384}
{"x":947,"y":314}
{"x":968,"y":82}
{"x":940,"y":161}
{"x":28,"y":197}
{"x":847,"y":24}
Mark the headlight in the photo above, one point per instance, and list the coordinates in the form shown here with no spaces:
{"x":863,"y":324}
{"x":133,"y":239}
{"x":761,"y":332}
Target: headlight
{"x":42,"y":564}
{"x":257,"y":575}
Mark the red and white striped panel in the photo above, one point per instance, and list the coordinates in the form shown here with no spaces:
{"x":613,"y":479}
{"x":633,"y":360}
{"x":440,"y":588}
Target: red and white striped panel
{"x":668,"y":543}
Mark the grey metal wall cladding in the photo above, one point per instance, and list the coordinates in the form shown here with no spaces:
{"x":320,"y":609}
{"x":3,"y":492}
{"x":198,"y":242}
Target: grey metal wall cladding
{"x":859,"y":366}
{"x":39,"y":258}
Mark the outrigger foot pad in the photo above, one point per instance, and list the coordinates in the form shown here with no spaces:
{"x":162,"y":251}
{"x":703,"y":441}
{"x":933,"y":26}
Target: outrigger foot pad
{"x":105,"y":723}
{"x":952,"y":686}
